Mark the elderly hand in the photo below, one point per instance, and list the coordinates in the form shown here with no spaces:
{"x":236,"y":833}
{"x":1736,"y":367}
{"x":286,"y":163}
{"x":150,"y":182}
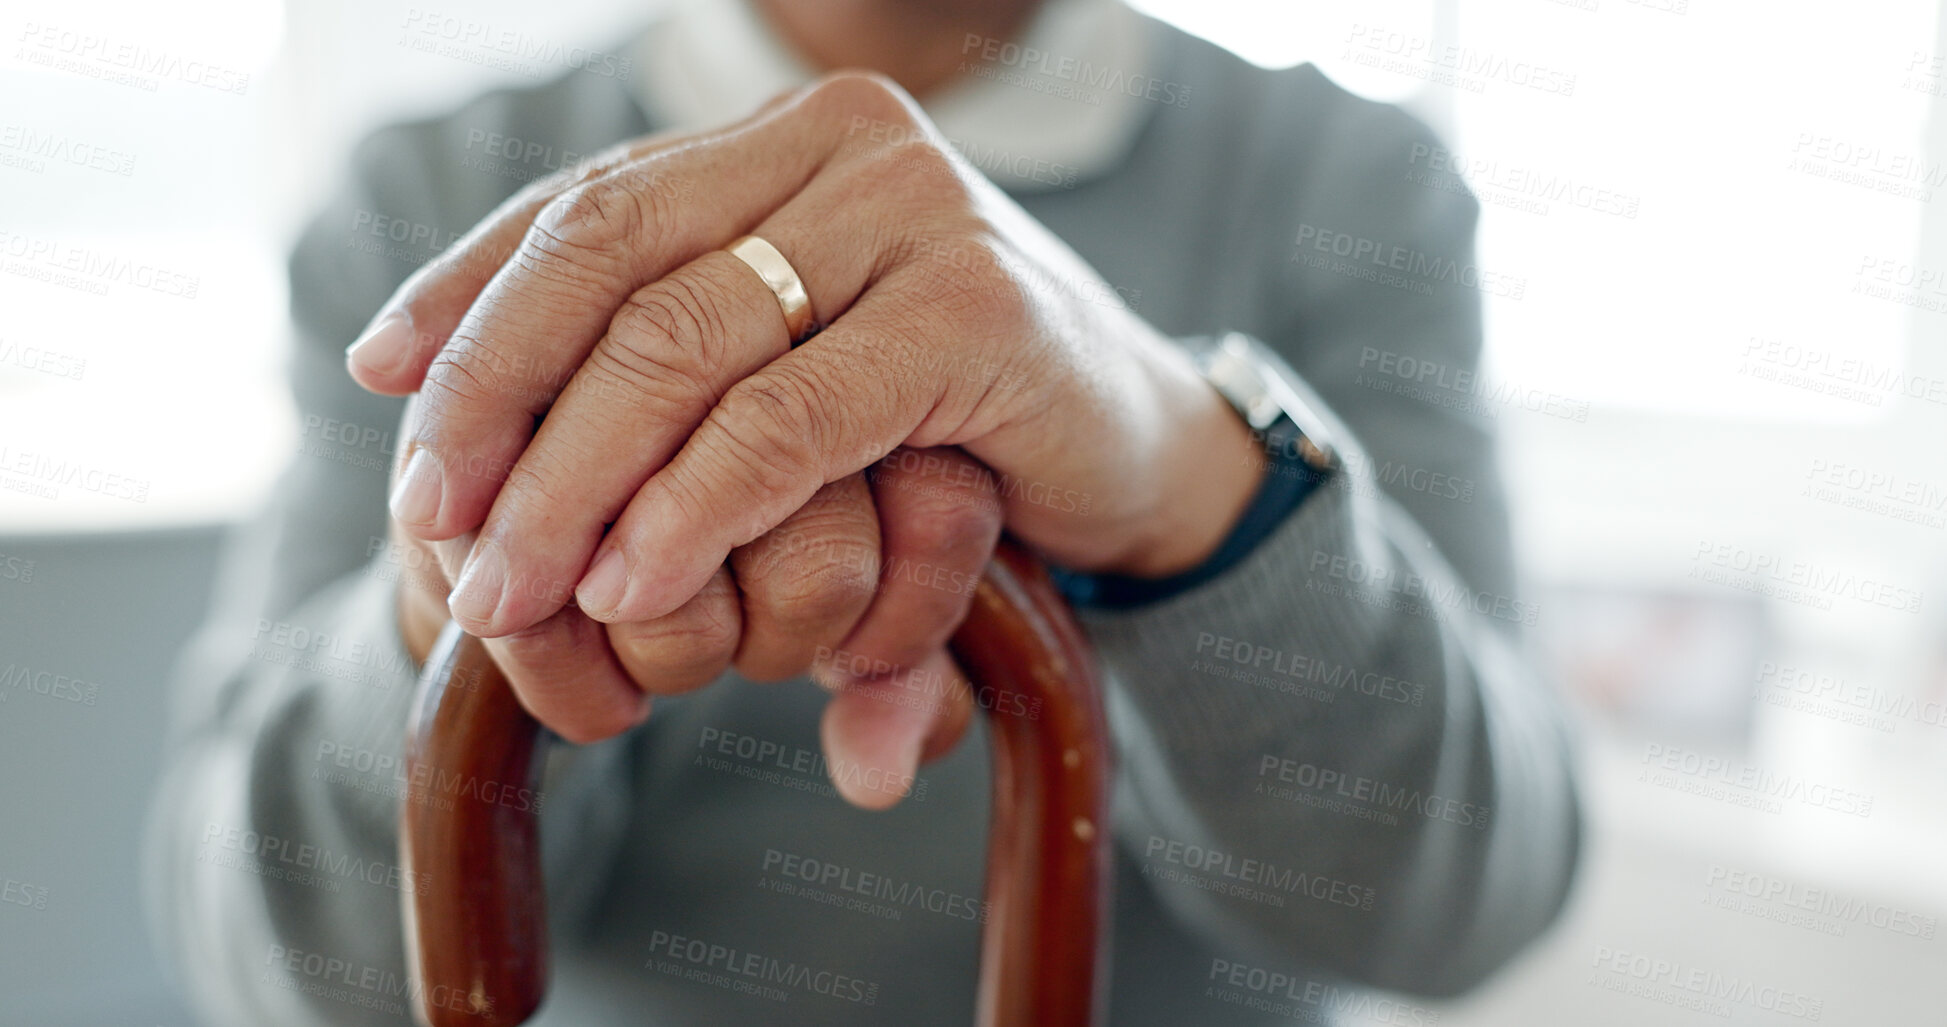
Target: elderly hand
{"x":684,"y":435}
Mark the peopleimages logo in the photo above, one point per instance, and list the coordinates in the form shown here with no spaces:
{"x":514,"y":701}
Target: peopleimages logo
{"x":1836,"y":698}
{"x":1816,"y":909}
{"x":1449,"y":64}
{"x":1799,"y":581}
{"x":14,"y":568}
{"x":90,"y":269}
{"x":43,"y":360}
{"x":420,"y":782}
{"x":1224,"y":649}
{"x":20,"y":893}
{"x":792,"y":766}
{"x":881,"y":888}
{"x":1835,"y":372}
{"x":1369,"y":791}
{"x":1742,"y":784}
{"x":741,"y":969}
{"x":270,"y":855}
{"x":1528,"y":188}
{"x":1009,"y":54}
{"x":64,"y":149}
{"x":1875,"y":491}
{"x":360,"y":984}
{"x":1229,"y":866}
{"x":1400,"y":267}
{"x":121,"y":62}
{"x":23,"y":678}
{"x":1377,"y":583}
{"x":1261,"y":989}
{"x":450,"y":35}
{"x":1673,"y":982}
{"x":1439,"y":383}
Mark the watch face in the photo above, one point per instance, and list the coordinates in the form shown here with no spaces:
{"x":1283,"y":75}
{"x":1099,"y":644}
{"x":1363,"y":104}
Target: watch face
{"x":1263,"y":389}
{"x":1232,"y":371}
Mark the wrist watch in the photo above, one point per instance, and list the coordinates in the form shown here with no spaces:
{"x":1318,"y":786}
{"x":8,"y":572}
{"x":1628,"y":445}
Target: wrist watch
{"x":1264,"y":391}
{"x":1299,"y":457}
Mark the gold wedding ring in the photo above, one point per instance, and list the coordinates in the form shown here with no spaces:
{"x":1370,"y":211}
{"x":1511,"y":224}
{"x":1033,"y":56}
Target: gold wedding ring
{"x":770,"y":265}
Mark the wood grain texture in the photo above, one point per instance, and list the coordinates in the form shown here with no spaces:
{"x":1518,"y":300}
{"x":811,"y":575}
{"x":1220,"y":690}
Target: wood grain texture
{"x":1042,"y":957}
{"x":476,"y":919}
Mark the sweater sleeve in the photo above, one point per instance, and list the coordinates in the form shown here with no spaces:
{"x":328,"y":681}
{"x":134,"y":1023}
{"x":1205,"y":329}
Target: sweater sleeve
{"x":272,"y":865}
{"x":1334,"y":755}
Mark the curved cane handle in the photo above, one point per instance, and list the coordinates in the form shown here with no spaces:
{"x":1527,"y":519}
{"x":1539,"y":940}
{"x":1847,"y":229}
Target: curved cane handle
{"x":476,"y":926}
{"x":476,"y":917}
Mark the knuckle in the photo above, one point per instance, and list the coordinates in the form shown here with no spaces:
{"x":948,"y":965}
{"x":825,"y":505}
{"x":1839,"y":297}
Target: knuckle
{"x":785,"y":405}
{"x":601,"y":164}
{"x":819,"y":571}
{"x":548,"y":666}
{"x":680,"y":316}
{"x":641,"y":352}
{"x":959,"y":271}
{"x":534,"y":483}
{"x":666,"y":344}
{"x":758,"y":469}
{"x":821,"y":594}
{"x":866,"y":93}
{"x":655,"y":186}
{"x":994,"y":292}
{"x":940,"y":177}
{"x":540,"y":646}
{"x":906,"y":170}
{"x":455,"y":375}
{"x":589,"y":220}
{"x":911,"y":180}
{"x":934,"y":163}
{"x":696,"y":640}
{"x":644,"y":376}
{"x":959,"y":527}
{"x":463,"y":377}
{"x":772,"y":426}
{"x":588,"y":170}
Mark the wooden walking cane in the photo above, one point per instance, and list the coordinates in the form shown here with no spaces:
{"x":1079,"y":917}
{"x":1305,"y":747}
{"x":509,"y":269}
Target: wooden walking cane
{"x":476,"y":919}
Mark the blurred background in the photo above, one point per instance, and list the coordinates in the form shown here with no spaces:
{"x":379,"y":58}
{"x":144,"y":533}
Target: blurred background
{"x":1717,"y":357}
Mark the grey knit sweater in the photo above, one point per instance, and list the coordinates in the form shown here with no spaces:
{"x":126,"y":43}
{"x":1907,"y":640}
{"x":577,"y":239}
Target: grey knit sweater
{"x":1336,"y":769}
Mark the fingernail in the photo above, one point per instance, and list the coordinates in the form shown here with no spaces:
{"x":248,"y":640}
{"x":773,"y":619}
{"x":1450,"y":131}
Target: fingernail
{"x":897,"y":767}
{"x":607,"y":582}
{"x":415,"y":500}
{"x":905,"y":759}
{"x":452,"y":553}
{"x":476,"y":596}
{"x":384,"y":348}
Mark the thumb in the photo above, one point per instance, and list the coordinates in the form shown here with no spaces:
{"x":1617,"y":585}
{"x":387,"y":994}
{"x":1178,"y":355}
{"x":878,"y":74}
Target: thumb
{"x":876,"y":731}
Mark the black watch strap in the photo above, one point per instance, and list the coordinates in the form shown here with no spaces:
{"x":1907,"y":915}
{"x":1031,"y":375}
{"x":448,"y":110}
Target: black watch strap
{"x":1299,"y":456}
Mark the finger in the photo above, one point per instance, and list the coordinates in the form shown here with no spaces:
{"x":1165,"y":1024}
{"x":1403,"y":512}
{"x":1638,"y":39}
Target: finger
{"x":687,"y":649}
{"x":392,"y":354}
{"x":588,"y":250}
{"x":874,"y":733}
{"x":567,"y":676}
{"x":390,"y":357}
{"x":806,"y":584}
{"x":951,"y":719}
{"x":775,"y":438}
{"x":620,"y":418}
{"x":562,"y":670}
{"x":668,"y":357}
{"x":939,"y":520}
